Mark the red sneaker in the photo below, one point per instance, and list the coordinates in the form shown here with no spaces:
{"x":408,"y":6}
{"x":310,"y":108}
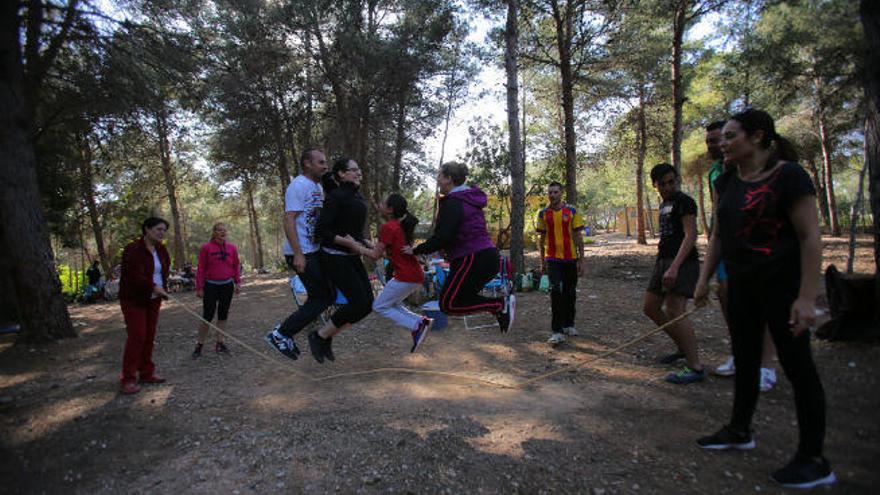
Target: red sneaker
{"x":152,"y":379}
{"x":128,"y":388}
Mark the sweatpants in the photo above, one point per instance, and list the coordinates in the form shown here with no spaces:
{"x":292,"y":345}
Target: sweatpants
{"x":563,"y":293}
{"x":347,"y":273}
{"x":217,"y":298}
{"x":140,"y":325}
{"x":390,"y":303}
{"x":467,"y":276}
{"x":751,"y":305}
{"x":320,"y":295}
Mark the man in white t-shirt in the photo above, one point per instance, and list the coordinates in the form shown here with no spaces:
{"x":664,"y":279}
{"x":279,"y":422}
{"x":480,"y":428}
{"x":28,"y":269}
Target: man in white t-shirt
{"x":302,"y":207}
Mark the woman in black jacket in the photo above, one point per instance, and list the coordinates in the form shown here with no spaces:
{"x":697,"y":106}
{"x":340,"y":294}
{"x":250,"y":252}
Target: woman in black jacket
{"x":342,"y":219}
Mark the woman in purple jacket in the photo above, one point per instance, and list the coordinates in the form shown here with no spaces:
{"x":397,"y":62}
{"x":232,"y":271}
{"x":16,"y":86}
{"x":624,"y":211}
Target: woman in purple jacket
{"x":473,"y":259}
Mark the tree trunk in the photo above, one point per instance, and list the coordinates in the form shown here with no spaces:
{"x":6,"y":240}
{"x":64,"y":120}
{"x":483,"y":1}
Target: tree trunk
{"x":678,"y":28}
{"x":253,"y":220}
{"x":87,"y":188}
{"x":702,"y":200}
{"x":825,"y":139}
{"x":399,"y":141}
{"x":820,"y":190}
{"x":563,"y":46}
{"x":517,"y":167}
{"x":650,"y":217}
{"x":24,"y":236}
{"x":162,"y":133}
{"x":280,"y":156}
{"x":854,"y":219}
{"x":870,"y":14}
{"x":642,"y":138}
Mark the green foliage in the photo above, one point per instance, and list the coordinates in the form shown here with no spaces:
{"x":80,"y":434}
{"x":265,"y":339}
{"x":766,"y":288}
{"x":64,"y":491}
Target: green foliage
{"x":72,"y":281}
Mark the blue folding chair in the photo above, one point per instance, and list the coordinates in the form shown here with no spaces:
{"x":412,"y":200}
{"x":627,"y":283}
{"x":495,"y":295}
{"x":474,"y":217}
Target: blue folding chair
{"x":300,"y":295}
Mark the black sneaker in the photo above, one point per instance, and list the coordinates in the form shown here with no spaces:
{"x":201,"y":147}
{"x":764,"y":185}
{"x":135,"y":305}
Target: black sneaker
{"x":805,"y":472}
{"x":328,"y":349}
{"x":671,"y":358}
{"x":727,"y":438}
{"x":316,"y":346}
{"x":221,"y":348}
{"x":286,"y":346}
{"x":198,"y":352}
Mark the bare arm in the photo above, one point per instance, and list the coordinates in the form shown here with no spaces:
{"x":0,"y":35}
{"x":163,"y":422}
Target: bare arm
{"x":579,"y":244}
{"x":299,"y":259}
{"x":713,"y":257}
{"x":805,"y":220}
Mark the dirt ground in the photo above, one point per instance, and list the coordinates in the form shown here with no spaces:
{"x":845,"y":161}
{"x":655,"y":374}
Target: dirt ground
{"x":240,"y":424}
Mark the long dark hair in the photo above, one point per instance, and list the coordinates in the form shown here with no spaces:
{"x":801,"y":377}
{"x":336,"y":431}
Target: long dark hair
{"x":330,"y":180}
{"x":753,"y":120}
{"x":408,"y":222}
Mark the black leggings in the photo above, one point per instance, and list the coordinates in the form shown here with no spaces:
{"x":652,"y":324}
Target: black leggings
{"x":563,"y":293}
{"x":217,"y":298}
{"x":751,"y":305}
{"x":348,"y":274}
{"x":467,"y":277}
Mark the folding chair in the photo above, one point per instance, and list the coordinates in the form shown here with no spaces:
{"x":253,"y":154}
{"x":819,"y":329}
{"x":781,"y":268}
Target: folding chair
{"x":300,"y":295}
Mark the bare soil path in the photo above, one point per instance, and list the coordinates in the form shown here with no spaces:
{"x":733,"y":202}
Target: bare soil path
{"x":236,"y":424}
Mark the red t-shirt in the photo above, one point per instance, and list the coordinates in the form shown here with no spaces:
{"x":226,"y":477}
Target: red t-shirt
{"x":406,"y":266}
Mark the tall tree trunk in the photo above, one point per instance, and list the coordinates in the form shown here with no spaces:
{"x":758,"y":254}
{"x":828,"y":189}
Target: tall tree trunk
{"x":678,"y":28}
{"x":162,"y":133}
{"x":825,"y":140}
{"x":563,"y":46}
{"x":281,"y":163}
{"x":253,"y":220}
{"x":642,"y":138}
{"x":24,"y":236}
{"x":870,"y":14}
{"x":450,"y":104}
{"x":87,"y":189}
{"x":702,"y":200}
{"x":309,"y":120}
{"x":650,"y":217}
{"x":517,"y":166}
{"x":854,"y":219}
{"x":820,"y":190}
{"x":399,"y":142}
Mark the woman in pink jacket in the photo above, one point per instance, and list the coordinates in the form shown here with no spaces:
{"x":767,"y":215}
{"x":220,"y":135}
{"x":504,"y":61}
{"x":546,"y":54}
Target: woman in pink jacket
{"x":218,"y":276}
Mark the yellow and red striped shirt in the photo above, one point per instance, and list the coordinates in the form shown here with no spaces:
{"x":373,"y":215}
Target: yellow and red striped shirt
{"x":559,"y":227}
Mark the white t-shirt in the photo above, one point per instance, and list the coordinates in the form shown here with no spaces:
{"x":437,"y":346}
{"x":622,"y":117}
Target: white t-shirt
{"x":305,"y":196}
{"x":157,"y":272}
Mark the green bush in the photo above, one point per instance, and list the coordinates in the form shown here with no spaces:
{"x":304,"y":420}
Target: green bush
{"x":72,"y":281}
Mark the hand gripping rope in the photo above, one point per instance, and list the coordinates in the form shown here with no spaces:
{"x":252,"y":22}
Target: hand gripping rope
{"x":456,"y":376}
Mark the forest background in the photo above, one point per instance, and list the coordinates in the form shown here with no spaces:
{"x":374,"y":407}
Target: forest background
{"x":197,"y":111}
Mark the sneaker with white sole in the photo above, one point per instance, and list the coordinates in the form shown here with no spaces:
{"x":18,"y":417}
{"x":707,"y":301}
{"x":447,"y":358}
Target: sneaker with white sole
{"x":726,"y":369}
{"x":768,"y":379}
{"x":727,"y":438}
{"x":556,"y":338}
{"x":805,"y":472}
{"x":286,"y":346}
{"x":507,"y":314}
{"x":570,"y":331}
{"x":421,"y":333}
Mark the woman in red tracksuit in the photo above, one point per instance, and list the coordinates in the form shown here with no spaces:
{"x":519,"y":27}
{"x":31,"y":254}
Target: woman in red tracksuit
{"x":218,"y":277}
{"x":142,"y":287}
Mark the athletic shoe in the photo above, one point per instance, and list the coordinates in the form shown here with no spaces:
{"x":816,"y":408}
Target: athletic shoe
{"x":685,"y":376}
{"x":726,"y":369}
{"x":328,"y":348}
{"x":805,"y":472}
{"x":221,"y":347}
{"x":316,"y":346}
{"x":556,"y":338}
{"x":286,"y":346}
{"x":421,"y":333}
{"x":727,"y":438}
{"x":671,"y":358}
{"x":570,"y":331}
{"x":198,"y":352}
{"x":507,"y":314}
{"x":768,"y":379}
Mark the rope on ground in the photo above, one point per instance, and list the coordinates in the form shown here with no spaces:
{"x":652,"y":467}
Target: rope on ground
{"x":607,"y":353}
{"x":457,"y":376}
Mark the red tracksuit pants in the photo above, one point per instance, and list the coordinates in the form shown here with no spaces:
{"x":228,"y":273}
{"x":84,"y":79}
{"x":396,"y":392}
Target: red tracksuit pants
{"x":140,"y":323}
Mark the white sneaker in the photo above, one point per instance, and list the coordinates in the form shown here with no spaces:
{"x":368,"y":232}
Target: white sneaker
{"x":556,"y":338}
{"x":768,"y":379}
{"x":726,"y":369}
{"x":570,"y":331}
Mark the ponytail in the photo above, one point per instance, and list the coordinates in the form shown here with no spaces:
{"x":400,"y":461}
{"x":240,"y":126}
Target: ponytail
{"x":408,"y":222}
{"x":781,"y":149}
